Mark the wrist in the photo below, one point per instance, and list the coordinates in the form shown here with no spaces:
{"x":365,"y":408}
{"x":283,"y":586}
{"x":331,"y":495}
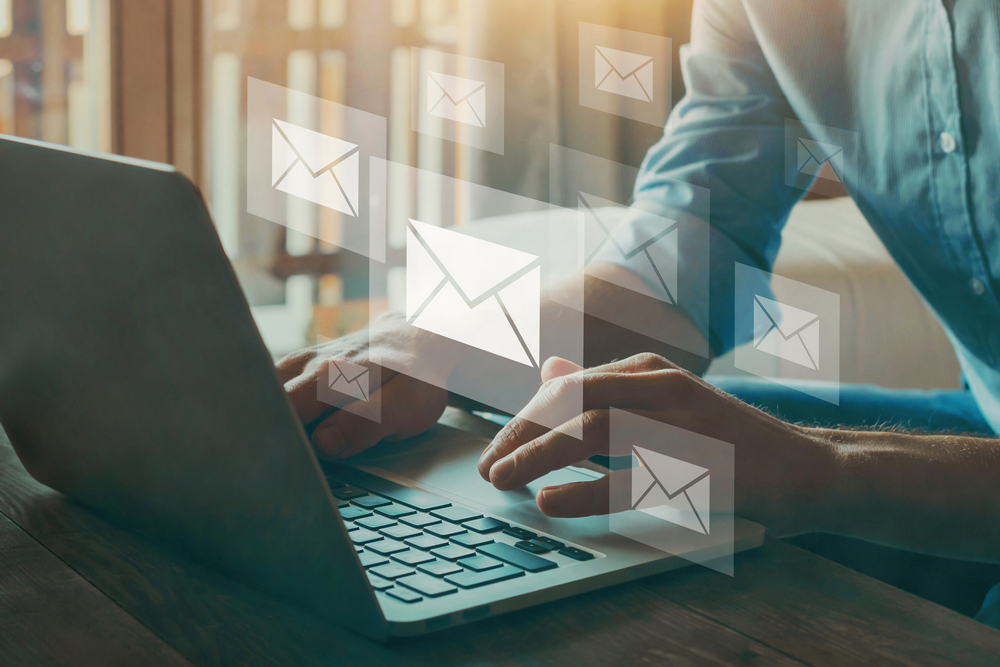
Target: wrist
{"x":835,"y":494}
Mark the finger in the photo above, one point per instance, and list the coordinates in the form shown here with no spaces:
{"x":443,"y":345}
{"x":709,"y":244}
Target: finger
{"x":637,"y":363}
{"x":555,"y":367}
{"x":293,"y":365}
{"x":607,"y":495}
{"x":402,"y":408}
{"x":559,"y":401}
{"x":552,"y":451}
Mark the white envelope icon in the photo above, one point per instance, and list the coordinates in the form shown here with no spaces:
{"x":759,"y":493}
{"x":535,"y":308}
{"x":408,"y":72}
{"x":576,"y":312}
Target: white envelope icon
{"x":671,"y":490}
{"x":623,"y":73}
{"x":455,"y":98}
{"x":633,"y":249}
{"x":473,"y":291}
{"x":786,"y":332}
{"x":349,"y":379}
{"x":322,"y":169}
{"x":812,"y":155}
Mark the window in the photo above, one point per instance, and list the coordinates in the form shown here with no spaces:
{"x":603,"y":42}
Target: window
{"x":353,"y":53}
{"x":55,"y":71}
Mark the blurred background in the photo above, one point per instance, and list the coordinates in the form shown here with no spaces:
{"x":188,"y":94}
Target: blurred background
{"x":165,"y":80}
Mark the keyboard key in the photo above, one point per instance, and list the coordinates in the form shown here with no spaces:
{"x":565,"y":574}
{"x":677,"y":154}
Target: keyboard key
{"x":470,"y":579}
{"x":418,"y":500}
{"x":533,"y":547}
{"x":371,"y":502}
{"x":479,"y":563}
{"x":349,"y":493}
{"x":456,"y":514}
{"x":429,"y":586}
{"x":471,"y":540}
{"x":378,"y":583}
{"x":334,"y":483}
{"x":412,"y":557}
{"x":358,"y":547}
{"x":420,"y":520}
{"x":362,"y":536}
{"x":549,"y":542}
{"x":439,"y":568}
{"x":342,"y":503}
{"x":394,"y":511}
{"x":513,"y":556}
{"x":374,"y":522}
{"x":400,"y":532}
{"x":520,"y":533}
{"x":385,"y":547}
{"x":453,"y":552}
{"x":404,"y":594}
{"x":371,"y":559}
{"x":486,"y":525}
{"x":576,"y":554}
{"x":444,"y":530}
{"x":352,"y":513}
{"x":426,"y":542}
{"x":351,"y":526}
{"x":392,"y":570}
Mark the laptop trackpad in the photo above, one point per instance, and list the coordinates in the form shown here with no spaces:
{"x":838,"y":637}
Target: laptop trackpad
{"x":445,"y":459}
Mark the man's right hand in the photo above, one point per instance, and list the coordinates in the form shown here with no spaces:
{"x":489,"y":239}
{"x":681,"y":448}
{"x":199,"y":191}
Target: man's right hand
{"x":399,"y":406}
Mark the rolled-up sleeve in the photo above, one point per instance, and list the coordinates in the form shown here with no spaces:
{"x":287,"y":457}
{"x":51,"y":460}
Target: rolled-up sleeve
{"x":724,"y":139}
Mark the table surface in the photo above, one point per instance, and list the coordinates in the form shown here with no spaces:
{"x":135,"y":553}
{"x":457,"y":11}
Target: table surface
{"x":77,"y":589}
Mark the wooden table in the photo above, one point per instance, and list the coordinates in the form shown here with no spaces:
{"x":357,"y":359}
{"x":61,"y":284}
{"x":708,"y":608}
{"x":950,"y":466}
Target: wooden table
{"x":76,"y":589}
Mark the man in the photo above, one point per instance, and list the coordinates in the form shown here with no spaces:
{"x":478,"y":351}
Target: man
{"x":917,"y":81}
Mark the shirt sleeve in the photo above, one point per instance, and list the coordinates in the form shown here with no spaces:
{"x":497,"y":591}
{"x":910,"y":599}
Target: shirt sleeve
{"x":725,"y":139}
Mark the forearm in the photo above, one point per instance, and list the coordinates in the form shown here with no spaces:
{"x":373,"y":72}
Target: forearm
{"x":599,"y":341}
{"x":606,"y":301}
{"x":937,"y":494}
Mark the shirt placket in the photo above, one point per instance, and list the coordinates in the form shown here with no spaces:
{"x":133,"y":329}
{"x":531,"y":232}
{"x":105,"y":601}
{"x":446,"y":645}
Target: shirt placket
{"x":949,"y":162}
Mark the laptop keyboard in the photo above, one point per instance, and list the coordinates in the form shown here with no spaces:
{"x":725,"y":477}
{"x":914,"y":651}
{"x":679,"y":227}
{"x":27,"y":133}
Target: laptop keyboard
{"x":415,"y":546}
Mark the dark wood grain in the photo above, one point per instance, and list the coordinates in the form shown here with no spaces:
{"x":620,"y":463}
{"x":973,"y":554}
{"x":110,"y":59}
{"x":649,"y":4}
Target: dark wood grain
{"x":826,"y":614}
{"x":625,"y":625}
{"x":50,"y":615}
{"x":784,"y":607}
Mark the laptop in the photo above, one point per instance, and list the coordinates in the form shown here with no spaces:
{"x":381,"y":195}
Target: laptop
{"x":133,"y":379}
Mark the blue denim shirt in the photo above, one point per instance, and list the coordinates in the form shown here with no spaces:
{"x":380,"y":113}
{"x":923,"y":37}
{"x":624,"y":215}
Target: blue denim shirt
{"x":918,"y":85}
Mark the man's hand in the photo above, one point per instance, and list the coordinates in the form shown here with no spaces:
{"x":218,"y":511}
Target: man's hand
{"x":781,"y":471}
{"x":399,"y":407}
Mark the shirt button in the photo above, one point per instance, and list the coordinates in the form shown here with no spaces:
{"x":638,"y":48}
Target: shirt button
{"x":978,"y":287}
{"x":948,"y":144}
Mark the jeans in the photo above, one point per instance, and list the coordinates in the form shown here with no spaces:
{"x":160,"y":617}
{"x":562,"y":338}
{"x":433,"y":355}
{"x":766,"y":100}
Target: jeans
{"x":954,"y":583}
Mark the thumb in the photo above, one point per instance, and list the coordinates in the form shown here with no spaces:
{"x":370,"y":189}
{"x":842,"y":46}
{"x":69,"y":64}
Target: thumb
{"x":555,"y":367}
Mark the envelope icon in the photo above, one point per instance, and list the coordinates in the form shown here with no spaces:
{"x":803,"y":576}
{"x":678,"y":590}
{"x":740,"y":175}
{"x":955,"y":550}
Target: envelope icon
{"x":349,"y":379}
{"x":623,"y":73}
{"x":634,"y":250}
{"x":671,"y":490}
{"x":475,"y":292}
{"x":812,"y":155}
{"x":455,"y":98}
{"x":788,"y":333}
{"x":322,"y":169}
